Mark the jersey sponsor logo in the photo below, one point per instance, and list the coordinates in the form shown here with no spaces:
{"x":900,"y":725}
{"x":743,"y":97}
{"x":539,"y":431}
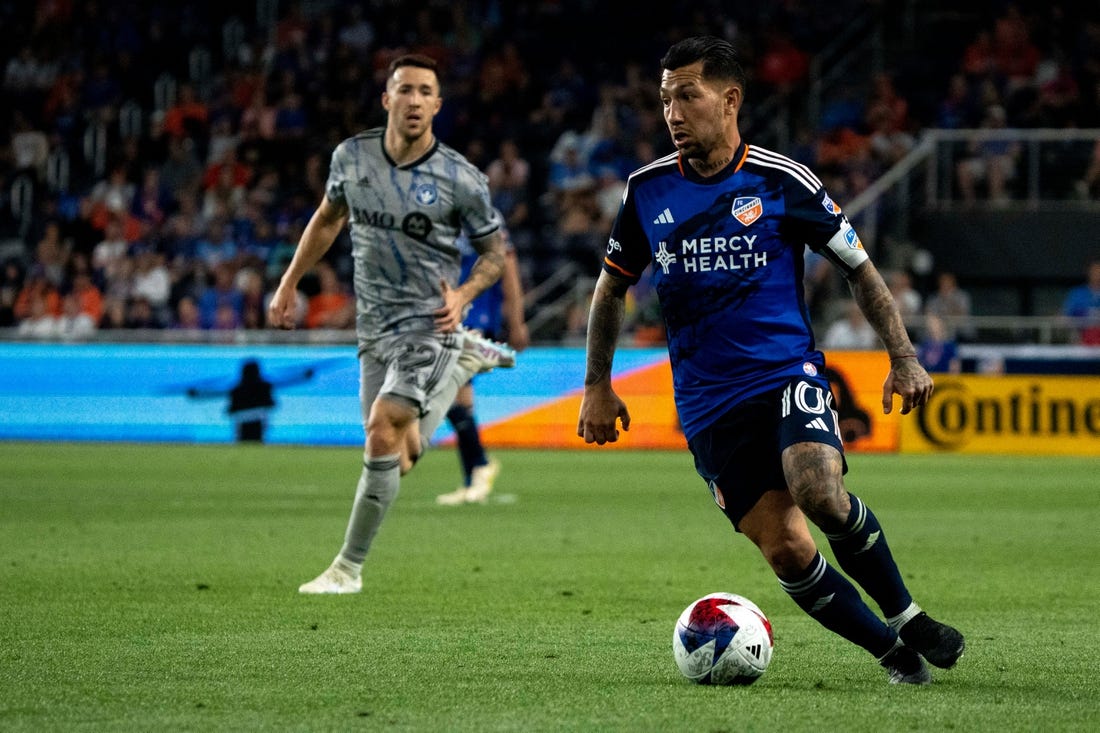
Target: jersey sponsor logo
{"x":830,"y":205}
{"x":613,"y":246}
{"x":710,"y":254}
{"x":664,"y":257}
{"x":747,"y":209}
{"x":417,"y":225}
{"x":426,"y":194}
{"x":378,"y":219}
{"x":665,"y":217}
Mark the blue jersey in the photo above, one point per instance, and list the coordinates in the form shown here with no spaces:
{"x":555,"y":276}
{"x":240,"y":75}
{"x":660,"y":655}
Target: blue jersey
{"x":726,"y":256}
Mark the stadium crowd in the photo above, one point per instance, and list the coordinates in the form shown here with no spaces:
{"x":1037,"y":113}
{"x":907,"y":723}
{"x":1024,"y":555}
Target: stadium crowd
{"x":161,"y":159}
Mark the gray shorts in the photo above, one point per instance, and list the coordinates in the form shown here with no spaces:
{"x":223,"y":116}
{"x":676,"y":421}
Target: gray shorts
{"x":411,"y":366}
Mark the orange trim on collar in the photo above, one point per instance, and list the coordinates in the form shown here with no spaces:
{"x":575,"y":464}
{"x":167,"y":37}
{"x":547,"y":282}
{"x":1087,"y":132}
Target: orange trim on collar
{"x":743,"y":156}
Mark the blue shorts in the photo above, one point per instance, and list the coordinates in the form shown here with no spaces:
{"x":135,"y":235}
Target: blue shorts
{"x":740,"y":454}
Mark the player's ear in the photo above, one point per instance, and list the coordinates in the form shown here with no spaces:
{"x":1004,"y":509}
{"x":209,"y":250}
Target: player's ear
{"x":734,"y":96}
{"x":386,"y":101}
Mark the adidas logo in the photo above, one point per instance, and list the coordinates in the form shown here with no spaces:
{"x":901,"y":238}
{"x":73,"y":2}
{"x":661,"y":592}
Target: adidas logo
{"x":871,"y":540}
{"x":754,"y":650}
{"x":665,"y":218}
{"x":818,"y":423}
{"x":821,"y":603}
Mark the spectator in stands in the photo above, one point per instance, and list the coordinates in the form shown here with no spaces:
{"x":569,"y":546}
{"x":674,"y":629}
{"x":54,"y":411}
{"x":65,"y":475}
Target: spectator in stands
{"x":11,"y":282}
{"x":29,"y":146}
{"x":509,"y":175}
{"x":74,"y":322}
{"x":952,"y":304}
{"x":51,"y":253}
{"x":38,"y":319}
{"x":901,"y":287}
{"x":37,"y":293}
{"x":851,"y":331}
{"x":87,"y":295}
{"x":958,"y":109}
{"x":221,"y":305}
{"x":187,"y":315}
{"x":937,"y":351}
{"x":991,"y":161}
{"x":1089,"y":185}
{"x":182,"y":172}
{"x":332,"y":306}
{"x":189,"y":117}
{"x":1082,"y":303}
{"x":254,"y":310}
{"x":152,"y":201}
{"x":151,"y":280}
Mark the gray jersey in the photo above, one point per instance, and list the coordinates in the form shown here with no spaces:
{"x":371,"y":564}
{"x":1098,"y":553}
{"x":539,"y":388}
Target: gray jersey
{"x":404,"y":222}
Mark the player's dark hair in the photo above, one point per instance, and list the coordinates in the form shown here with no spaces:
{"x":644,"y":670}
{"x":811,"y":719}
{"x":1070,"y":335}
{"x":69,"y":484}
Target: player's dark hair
{"x":418,"y":60}
{"x":720,"y":59}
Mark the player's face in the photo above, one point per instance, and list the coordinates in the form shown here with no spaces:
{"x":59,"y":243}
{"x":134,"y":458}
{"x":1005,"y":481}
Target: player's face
{"x":412,"y":101}
{"x":695,"y":110}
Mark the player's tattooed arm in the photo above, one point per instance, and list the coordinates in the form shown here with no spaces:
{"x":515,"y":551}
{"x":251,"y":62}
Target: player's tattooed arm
{"x":485,"y":271}
{"x":907,"y":378}
{"x":881,"y":310}
{"x":601,"y":409}
{"x":605,"y":321}
{"x":488,"y":267}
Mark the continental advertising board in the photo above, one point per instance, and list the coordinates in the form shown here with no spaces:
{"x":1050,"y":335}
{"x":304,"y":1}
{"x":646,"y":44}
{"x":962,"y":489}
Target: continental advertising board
{"x":1007,"y":414}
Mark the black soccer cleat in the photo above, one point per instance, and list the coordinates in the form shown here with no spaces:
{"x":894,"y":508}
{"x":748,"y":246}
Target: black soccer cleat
{"x":939,"y":643}
{"x":906,"y":667}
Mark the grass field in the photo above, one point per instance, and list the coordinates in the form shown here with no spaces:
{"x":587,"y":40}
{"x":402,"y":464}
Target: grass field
{"x":154,"y":588}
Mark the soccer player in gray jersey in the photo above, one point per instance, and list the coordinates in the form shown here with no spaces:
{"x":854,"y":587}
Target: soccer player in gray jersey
{"x":407,"y":198}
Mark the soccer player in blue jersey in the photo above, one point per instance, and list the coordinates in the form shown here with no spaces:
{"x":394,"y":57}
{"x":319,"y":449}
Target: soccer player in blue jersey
{"x":496,"y":314}
{"x":723,"y":225}
{"x":407,"y":198}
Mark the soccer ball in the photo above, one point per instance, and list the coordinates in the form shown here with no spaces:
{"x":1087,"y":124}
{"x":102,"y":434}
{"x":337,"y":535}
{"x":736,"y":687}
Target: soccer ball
{"x":722,"y":639}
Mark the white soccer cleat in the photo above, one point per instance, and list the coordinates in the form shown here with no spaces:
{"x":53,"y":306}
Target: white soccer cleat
{"x":480,"y":354}
{"x":454,"y":498}
{"x":334,"y":580}
{"x":481,"y":482}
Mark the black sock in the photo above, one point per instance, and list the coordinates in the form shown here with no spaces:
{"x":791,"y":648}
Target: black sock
{"x":863,"y":554}
{"x":835,"y":603}
{"x":470,"y":450}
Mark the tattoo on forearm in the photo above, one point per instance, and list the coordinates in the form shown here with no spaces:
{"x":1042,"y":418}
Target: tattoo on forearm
{"x":604,"y":323}
{"x":878,"y":306}
{"x":486,"y":270}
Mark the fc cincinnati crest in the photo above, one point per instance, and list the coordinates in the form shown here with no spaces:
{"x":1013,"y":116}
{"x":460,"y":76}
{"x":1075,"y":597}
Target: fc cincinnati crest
{"x":426,"y":194}
{"x":747,"y":209}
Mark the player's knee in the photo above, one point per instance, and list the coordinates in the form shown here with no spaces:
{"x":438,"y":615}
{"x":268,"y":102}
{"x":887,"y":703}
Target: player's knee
{"x":788,"y":555}
{"x":825,"y":504}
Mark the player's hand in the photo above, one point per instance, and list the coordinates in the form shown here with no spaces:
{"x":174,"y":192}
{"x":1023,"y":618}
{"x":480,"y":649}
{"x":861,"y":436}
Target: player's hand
{"x":282,"y":311}
{"x":448,"y":317}
{"x":601,"y":409}
{"x":909,"y":380}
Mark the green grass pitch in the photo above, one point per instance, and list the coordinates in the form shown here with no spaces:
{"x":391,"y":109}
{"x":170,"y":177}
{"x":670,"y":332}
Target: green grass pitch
{"x":155,"y":588}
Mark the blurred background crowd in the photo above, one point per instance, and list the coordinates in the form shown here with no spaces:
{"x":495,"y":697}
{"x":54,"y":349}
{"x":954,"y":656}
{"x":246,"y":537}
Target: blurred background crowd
{"x":160,"y":159}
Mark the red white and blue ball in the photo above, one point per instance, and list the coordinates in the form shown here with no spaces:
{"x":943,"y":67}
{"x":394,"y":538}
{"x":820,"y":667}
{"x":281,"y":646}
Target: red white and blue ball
{"x":723,"y":639}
